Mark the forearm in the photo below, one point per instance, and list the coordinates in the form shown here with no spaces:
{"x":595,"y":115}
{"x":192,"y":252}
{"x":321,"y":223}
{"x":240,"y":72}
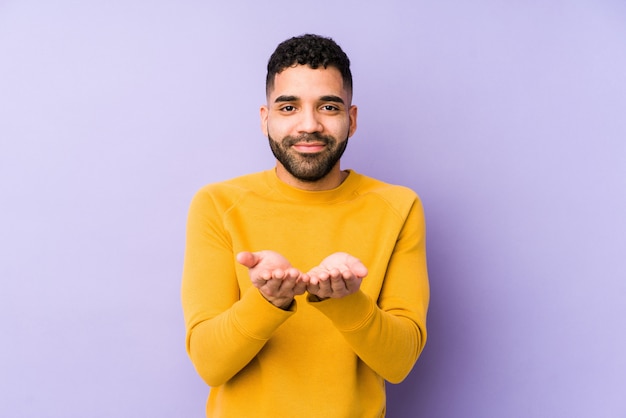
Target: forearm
{"x":388,"y":342}
{"x":221,"y":346}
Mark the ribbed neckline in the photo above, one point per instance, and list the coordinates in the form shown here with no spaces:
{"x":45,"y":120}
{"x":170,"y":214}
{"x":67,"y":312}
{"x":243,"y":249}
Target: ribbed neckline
{"x":341,"y":193}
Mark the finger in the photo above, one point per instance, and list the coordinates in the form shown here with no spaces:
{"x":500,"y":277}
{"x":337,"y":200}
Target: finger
{"x":258,"y":282}
{"x":291,"y":286}
{"x":345,"y":273}
{"x":247,"y":258}
{"x":338,"y":285}
{"x":333,"y":273}
{"x":318,"y":277}
{"x":325,"y":289}
{"x":353,"y":284}
{"x":260,"y":278}
{"x":358,"y":269}
{"x":292,"y":273}
{"x":313,"y":289}
{"x":271,"y":287}
{"x":287,"y":282}
{"x":352,"y":287}
{"x":299,"y":288}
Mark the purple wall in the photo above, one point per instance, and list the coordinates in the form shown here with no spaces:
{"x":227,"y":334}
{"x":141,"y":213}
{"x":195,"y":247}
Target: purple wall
{"x":508,"y":118}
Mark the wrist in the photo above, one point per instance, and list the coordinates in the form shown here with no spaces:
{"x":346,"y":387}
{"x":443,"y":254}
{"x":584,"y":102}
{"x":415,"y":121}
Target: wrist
{"x":314,"y":298}
{"x":285,"y":306}
{"x":280,"y":303}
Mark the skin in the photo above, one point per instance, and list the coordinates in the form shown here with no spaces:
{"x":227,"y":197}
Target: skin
{"x":305,"y":102}
{"x":309,"y":101}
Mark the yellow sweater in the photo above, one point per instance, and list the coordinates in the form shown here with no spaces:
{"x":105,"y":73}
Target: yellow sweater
{"x":319,"y":359}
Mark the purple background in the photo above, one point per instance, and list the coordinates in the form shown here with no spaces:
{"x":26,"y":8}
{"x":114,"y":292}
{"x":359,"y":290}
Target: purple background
{"x":507,"y":117}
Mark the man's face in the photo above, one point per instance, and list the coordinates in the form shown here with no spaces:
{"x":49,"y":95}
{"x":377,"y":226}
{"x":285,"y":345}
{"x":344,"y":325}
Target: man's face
{"x":308,"y":120}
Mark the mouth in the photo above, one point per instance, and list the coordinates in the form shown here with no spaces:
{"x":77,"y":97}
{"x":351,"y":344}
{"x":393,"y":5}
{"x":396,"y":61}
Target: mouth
{"x":309,"y":147}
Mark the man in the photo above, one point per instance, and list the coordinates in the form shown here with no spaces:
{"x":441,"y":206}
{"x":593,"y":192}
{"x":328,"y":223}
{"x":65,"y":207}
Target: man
{"x":304,"y":287}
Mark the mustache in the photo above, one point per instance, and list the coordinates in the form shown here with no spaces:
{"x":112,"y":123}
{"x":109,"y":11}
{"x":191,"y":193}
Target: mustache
{"x":312,"y":137}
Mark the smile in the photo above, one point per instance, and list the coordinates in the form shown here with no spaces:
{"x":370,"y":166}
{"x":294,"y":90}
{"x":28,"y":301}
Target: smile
{"x":309,"y":147}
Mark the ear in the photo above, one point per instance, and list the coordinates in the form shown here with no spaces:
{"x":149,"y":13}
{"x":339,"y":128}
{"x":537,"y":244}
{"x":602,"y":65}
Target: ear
{"x":352,"y":113}
{"x":264,"y":111}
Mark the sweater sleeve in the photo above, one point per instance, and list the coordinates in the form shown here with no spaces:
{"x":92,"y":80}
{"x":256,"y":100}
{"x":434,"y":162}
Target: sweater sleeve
{"x":224,"y":330}
{"x":389,"y":334}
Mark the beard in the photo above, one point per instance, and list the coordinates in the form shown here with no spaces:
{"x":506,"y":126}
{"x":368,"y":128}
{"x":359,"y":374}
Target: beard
{"x":308,"y":167}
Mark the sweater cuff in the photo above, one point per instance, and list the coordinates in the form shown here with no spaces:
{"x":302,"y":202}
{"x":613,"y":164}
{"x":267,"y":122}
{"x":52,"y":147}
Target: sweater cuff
{"x":257,"y":317}
{"x":348,"y":313}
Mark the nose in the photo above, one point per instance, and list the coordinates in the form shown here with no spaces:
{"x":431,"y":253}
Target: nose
{"x":309,"y":122}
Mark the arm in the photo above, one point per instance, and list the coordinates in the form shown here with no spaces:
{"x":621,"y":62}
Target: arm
{"x":225,"y":330}
{"x":390,"y":333}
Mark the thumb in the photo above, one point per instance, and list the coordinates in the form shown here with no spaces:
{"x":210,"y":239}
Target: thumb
{"x":248,"y":259}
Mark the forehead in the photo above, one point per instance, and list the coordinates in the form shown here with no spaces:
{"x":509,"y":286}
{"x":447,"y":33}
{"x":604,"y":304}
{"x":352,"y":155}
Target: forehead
{"x":304,"y":81}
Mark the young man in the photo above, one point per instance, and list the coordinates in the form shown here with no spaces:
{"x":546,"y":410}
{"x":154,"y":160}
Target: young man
{"x":305,"y":286}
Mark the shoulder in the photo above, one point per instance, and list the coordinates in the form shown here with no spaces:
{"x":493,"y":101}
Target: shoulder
{"x":401,"y":198}
{"x":241,"y":184}
{"x":387,"y":199}
{"x":226,"y":193}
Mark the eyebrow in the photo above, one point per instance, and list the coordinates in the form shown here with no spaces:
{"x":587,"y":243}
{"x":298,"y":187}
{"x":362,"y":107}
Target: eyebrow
{"x":327,"y":98}
{"x":284,"y":98}
{"x":332,"y":98}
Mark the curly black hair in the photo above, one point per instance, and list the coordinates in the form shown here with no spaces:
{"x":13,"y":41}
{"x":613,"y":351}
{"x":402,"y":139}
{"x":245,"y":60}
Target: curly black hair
{"x":311,"y":50}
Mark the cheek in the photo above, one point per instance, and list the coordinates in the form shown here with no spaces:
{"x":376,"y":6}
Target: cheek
{"x":341,"y":130}
{"x":274,"y":127}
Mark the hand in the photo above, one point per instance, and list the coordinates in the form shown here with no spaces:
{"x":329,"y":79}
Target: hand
{"x":338,"y":275}
{"x":274,"y":276}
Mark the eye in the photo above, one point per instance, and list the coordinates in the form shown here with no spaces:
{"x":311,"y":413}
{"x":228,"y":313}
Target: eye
{"x":330,"y":108}
{"x":287,"y":108}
